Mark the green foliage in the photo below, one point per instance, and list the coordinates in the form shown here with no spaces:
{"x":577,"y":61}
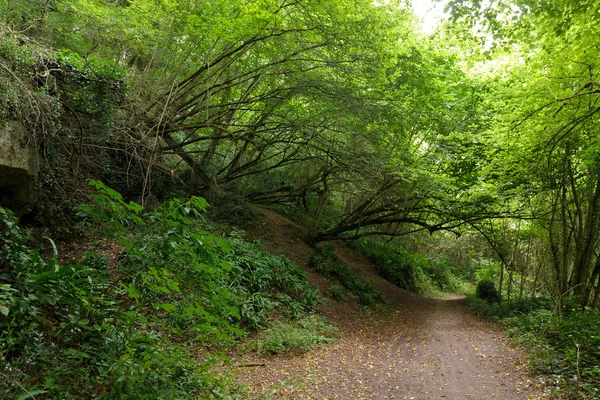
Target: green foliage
{"x":232,"y":209}
{"x":444,"y":276}
{"x":295,"y":213}
{"x":504,"y":309}
{"x":21,"y":99}
{"x":486,"y":290}
{"x":12,"y":241}
{"x":92,"y":87}
{"x":396,"y":265}
{"x":89,"y":69}
{"x":109,"y":211}
{"x":565,"y":349}
{"x":265,"y":282}
{"x":107,"y":330}
{"x":298,"y":336}
{"x":337,"y":292}
{"x":67,"y":334}
{"x":172,"y":264}
{"x":326,"y":262}
{"x":413,"y":271}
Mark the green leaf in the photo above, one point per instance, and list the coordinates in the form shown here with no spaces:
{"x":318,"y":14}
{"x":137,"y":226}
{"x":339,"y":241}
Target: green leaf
{"x":167,"y":307}
{"x":30,"y":394}
{"x":4,"y":310}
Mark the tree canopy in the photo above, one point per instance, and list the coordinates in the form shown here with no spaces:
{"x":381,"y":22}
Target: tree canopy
{"x":341,"y":109}
{"x":469,"y":153}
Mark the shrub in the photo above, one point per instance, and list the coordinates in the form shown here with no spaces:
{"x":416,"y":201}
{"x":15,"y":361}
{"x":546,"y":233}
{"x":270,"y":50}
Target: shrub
{"x":337,"y":292}
{"x":565,"y":349}
{"x":107,"y":331}
{"x":498,"y":311}
{"x":396,"y":265}
{"x":299,"y":336}
{"x":413,"y":271}
{"x":232,"y":209}
{"x":265,"y":282}
{"x":486,"y":290}
{"x":66,"y":332}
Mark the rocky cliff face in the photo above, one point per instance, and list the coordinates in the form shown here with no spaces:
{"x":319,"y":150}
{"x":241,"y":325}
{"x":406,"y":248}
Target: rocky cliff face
{"x":18,"y":169}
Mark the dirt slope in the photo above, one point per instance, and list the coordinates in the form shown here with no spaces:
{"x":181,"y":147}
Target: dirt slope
{"x":422,"y":348}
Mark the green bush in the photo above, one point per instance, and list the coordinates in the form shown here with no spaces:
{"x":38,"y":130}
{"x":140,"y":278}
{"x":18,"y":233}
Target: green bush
{"x":486,"y":290}
{"x":566,"y":349}
{"x":107,"y":331}
{"x":500,"y":310}
{"x":265,"y":282}
{"x":232,"y":209}
{"x":337,"y":292}
{"x":299,"y":336}
{"x":66,"y":333}
{"x":447,"y":277}
{"x":413,"y":271}
{"x":293,"y":212}
{"x":396,"y":265}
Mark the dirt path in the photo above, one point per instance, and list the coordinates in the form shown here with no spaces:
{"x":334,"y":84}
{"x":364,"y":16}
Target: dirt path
{"x":422,"y":348}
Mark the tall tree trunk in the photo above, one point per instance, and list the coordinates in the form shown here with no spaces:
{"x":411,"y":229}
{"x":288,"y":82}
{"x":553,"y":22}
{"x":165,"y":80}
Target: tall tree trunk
{"x":510,"y":283}
{"x":555,"y":253}
{"x":501,"y":278}
{"x":524,"y":268}
{"x":564,"y":278}
{"x":588,"y":245}
{"x":590,"y":286}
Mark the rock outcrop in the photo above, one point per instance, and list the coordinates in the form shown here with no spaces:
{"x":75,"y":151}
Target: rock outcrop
{"x":18,"y":169}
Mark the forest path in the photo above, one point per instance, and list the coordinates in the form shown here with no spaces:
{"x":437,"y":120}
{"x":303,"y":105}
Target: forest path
{"x":421,"y":348}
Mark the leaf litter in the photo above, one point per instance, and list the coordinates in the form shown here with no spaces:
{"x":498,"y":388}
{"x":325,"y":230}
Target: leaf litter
{"x":419,"y":348}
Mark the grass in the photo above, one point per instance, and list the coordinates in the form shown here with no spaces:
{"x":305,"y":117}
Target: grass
{"x":297,"y":336}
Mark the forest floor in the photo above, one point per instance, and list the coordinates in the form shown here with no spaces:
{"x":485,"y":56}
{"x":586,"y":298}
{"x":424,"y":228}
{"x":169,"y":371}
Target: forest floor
{"x":417,"y":348}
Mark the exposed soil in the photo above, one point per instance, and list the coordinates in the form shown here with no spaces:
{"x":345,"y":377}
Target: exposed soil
{"x":420,"y":348}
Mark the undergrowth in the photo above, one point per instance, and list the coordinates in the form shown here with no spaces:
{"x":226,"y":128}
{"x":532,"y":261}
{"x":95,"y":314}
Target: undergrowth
{"x":297,"y":336}
{"x":412,"y":271}
{"x":232,"y":209}
{"x":268,"y":283}
{"x":136,"y":328}
{"x":326,"y":262}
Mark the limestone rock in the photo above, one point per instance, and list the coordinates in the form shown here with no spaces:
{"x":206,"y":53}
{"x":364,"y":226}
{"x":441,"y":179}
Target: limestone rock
{"x":18,"y":168}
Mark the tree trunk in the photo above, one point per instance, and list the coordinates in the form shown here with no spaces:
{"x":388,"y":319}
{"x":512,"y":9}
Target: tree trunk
{"x":209,"y":181}
{"x":501,"y":279}
{"x":510,"y":283}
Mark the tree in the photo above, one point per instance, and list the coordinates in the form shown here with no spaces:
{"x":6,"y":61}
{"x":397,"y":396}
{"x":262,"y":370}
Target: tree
{"x":545,"y":127}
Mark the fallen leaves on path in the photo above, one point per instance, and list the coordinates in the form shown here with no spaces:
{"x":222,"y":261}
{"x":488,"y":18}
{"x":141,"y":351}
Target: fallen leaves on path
{"x":422,"y":348}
